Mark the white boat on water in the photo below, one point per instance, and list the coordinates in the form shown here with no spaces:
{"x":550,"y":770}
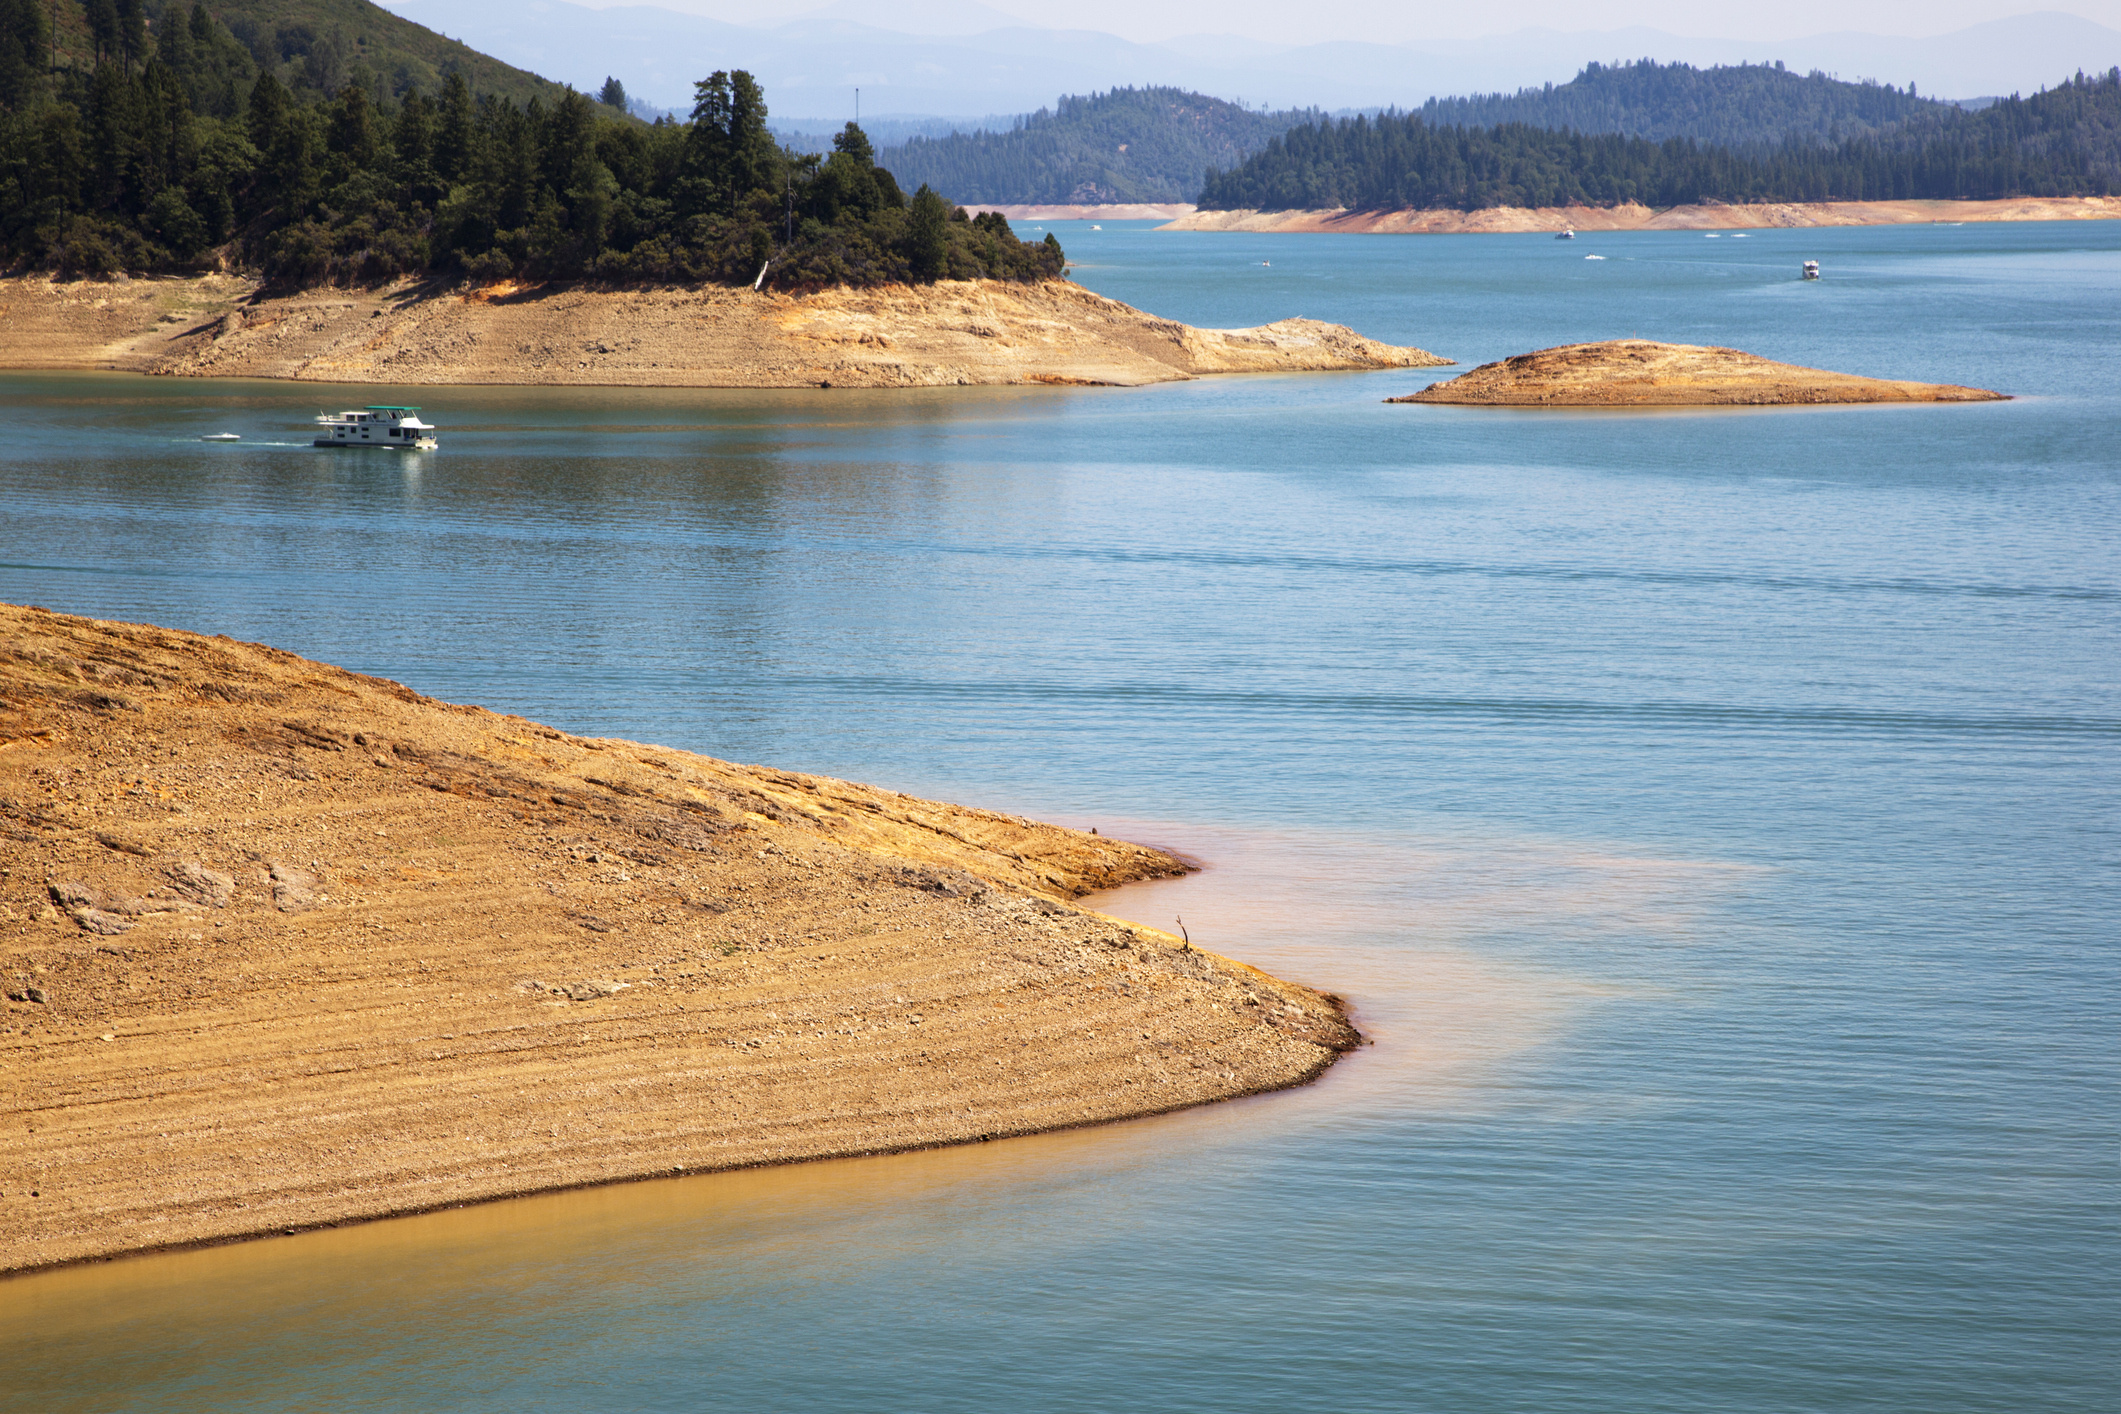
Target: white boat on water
{"x":392,"y":428}
{"x":1567,"y":234}
{"x":222,"y":437}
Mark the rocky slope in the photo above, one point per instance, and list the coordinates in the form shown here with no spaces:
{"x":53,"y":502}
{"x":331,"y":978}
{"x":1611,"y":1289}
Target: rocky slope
{"x":1639,"y":373}
{"x":283,"y":945}
{"x":957,"y":332}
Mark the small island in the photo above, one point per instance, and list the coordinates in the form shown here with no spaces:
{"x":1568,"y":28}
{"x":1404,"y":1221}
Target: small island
{"x":286,"y":946}
{"x":1639,"y":373}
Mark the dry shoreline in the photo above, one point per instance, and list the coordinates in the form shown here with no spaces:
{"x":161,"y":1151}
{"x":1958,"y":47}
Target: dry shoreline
{"x":285,"y":947}
{"x":1625,"y":373}
{"x":954,"y":333}
{"x":1709,"y":216}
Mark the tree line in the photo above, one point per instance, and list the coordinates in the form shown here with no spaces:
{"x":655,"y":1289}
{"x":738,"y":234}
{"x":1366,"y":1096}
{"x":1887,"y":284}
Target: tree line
{"x":2064,"y":141}
{"x":1734,"y":105}
{"x":173,"y":156}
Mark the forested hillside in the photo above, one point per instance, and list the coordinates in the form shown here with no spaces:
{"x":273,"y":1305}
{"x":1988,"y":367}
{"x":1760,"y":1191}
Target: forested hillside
{"x":1131,"y":144}
{"x":1743,"y":105}
{"x":2065,"y":141}
{"x":310,"y":46}
{"x":172,"y":148}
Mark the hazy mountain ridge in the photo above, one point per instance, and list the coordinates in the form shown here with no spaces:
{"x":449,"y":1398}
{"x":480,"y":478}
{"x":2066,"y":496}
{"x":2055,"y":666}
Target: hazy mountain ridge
{"x":1152,"y":145}
{"x":813,"y":64}
{"x":1126,"y":145}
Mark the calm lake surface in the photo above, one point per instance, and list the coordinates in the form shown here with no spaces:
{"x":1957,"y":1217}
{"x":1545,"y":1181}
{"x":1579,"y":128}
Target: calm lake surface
{"x":1712,"y":817}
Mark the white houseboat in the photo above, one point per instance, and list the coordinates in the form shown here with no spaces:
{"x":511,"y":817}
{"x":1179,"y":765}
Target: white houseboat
{"x":396,"y":428}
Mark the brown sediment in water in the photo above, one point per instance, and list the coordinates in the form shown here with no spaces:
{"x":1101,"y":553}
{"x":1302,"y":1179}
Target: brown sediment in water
{"x":954,"y":333}
{"x":1641,"y":373}
{"x":286,"y":946}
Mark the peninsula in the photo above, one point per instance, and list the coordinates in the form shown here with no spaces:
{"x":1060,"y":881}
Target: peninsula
{"x":948,"y":333}
{"x":286,"y":946}
{"x":1640,"y":373}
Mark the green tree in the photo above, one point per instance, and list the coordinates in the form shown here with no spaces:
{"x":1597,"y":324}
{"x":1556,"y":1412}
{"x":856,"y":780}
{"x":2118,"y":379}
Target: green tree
{"x":612,"y":94}
{"x":455,"y":129}
{"x":23,"y":40}
{"x":131,"y":30}
{"x":928,"y":234}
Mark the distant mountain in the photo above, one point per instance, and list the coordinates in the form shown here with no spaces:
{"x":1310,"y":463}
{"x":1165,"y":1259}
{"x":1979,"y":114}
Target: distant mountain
{"x":961,"y":59}
{"x":1152,"y":144}
{"x":816,"y":135}
{"x":1738,"y":106}
{"x":1128,"y":145}
{"x":2064,"y":141}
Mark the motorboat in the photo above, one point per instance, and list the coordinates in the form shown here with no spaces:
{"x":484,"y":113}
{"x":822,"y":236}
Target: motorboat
{"x":396,"y":429}
{"x":1567,"y":234}
{"x":222,"y":437}
{"x":1811,"y":269}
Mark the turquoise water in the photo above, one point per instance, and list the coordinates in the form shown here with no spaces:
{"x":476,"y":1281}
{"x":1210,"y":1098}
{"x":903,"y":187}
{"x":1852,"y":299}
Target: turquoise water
{"x":1711,"y":816}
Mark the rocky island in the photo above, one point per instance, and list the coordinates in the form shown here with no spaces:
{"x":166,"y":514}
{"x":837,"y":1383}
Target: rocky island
{"x":1624,"y":373}
{"x":286,"y":946}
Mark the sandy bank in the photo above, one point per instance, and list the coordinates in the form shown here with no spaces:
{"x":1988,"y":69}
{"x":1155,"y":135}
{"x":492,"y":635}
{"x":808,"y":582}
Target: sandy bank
{"x":284,"y":945}
{"x":1640,"y":373}
{"x":1713,"y":216}
{"x":957,"y":332}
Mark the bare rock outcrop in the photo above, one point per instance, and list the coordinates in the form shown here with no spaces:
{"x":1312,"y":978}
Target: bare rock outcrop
{"x":1642,"y":373}
{"x":954,"y":333}
{"x":376,"y":953}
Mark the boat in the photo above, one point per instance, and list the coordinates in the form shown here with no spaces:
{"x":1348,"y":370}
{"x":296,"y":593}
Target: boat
{"x":1567,"y":234}
{"x":1811,"y":269}
{"x":397,"y":429}
{"x":222,"y":437}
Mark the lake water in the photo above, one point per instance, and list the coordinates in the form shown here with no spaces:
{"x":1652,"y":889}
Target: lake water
{"x":1712,"y":818}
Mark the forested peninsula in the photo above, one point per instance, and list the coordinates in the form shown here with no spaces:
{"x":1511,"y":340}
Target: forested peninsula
{"x":178,"y":147}
{"x":2061,"y":142}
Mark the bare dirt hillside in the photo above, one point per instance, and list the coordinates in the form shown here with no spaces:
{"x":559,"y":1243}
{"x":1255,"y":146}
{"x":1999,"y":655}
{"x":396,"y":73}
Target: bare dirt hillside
{"x":1639,"y":373}
{"x":957,"y":332}
{"x":1709,"y":216}
{"x":283,"y":945}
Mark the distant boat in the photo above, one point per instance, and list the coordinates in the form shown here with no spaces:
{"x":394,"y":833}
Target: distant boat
{"x":395,"y":429}
{"x":1567,"y":234}
{"x":222,"y":437}
{"x":1811,"y":269}
{"x":1737,"y":235}
{"x":1266,"y":262}
{"x":1594,"y":257}
{"x":1097,"y":228}
{"x":1714,"y":236}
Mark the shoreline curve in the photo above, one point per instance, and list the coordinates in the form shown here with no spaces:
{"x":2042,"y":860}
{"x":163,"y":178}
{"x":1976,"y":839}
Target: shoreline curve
{"x":288,"y":947}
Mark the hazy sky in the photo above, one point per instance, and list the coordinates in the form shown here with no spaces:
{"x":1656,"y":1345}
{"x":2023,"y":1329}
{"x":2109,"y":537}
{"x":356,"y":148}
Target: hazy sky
{"x":1403,"y":21}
